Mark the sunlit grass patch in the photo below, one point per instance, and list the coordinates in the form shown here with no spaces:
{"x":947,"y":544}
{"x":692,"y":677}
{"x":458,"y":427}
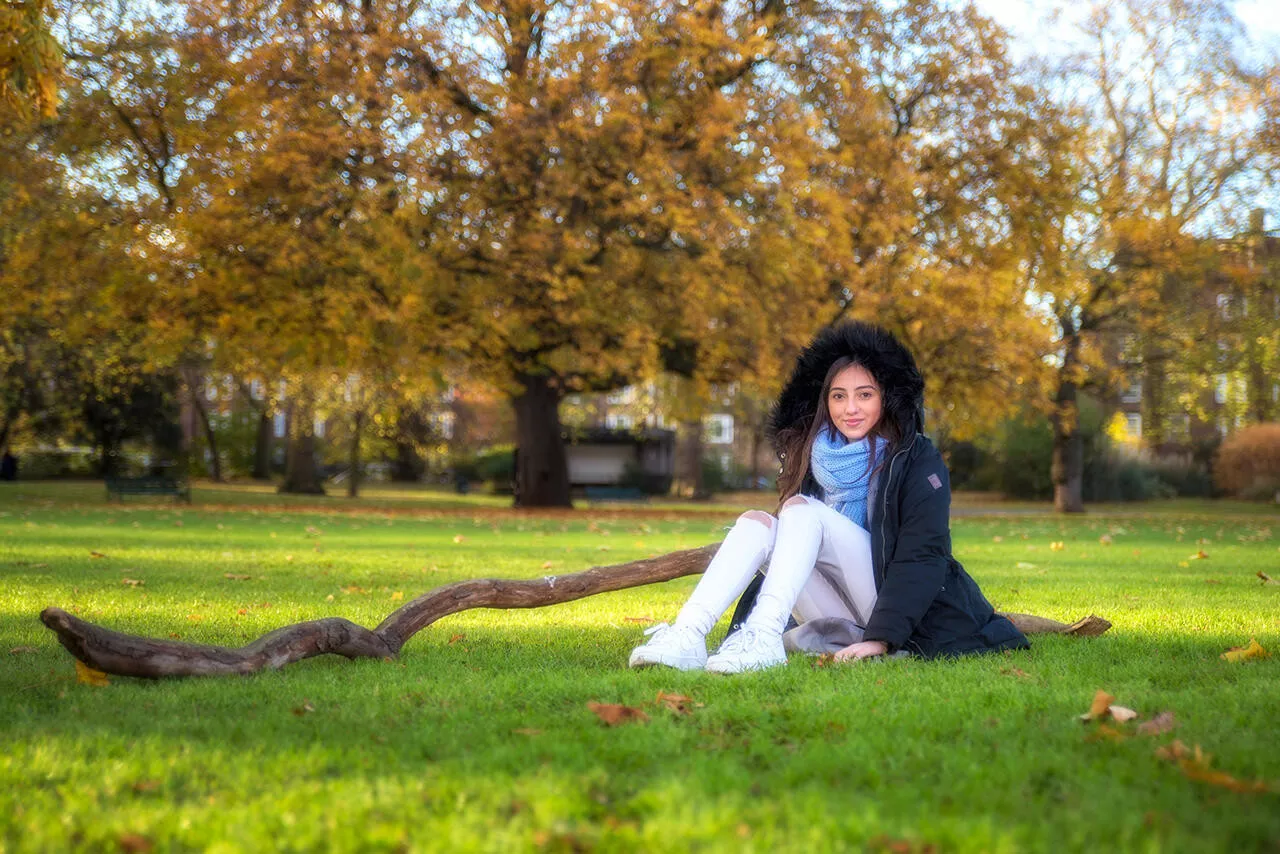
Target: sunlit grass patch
{"x":479,"y":736}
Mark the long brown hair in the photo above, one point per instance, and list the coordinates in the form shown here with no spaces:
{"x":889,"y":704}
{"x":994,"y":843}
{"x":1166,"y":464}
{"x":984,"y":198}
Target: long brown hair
{"x":796,"y":441}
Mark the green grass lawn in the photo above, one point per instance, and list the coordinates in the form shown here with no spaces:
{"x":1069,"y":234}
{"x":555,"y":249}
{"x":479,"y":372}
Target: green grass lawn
{"x":480,"y":738}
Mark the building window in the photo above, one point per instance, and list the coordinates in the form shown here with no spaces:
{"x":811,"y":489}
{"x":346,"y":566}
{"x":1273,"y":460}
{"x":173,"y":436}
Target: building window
{"x":1133,"y":425}
{"x":1132,"y":392}
{"x":278,"y":424}
{"x":718,"y":429}
{"x":255,"y":389}
{"x":616,"y":421}
{"x":443,"y":423}
{"x":317,"y":427}
{"x":1220,"y":389}
{"x":622,"y":396}
{"x":1224,"y":306}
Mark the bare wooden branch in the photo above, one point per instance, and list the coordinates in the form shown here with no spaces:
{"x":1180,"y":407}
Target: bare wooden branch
{"x":151,"y":658}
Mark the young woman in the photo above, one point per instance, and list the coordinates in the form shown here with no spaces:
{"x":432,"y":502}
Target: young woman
{"x":860,"y":549}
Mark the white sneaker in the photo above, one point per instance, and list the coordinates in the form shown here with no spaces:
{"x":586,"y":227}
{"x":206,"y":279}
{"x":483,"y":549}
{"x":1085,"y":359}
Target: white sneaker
{"x":748,"y":649}
{"x":683,"y":649}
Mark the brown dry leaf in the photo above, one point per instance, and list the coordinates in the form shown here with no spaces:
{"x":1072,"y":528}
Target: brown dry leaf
{"x":305,"y":708}
{"x":997,"y":539}
{"x":457,"y":637}
{"x":1212,"y":581}
{"x":823,"y":660}
{"x":134,"y":843}
{"x":195,"y":618}
{"x":1194,"y":764}
{"x":526,"y":731}
{"x":132,"y":582}
{"x":1266,"y":579}
{"x":1106,"y":732}
{"x":86,"y":675}
{"x":1105,"y":539}
{"x":547,"y":564}
{"x":614,"y":714}
{"x":678,"y":703}
{"x":1161,"y":723}
{"x":20,"y":650}
{"x":458,"y":538}
{"x":1098,"y":708}
{"x":143,"y":786}
{"x":1015,"y":671}
{"x":638,"y":619}
{"x":1253,"y":651}
{"x":1201,"y":554}
{"x":96,"y":554}
{"x":233,"y":576}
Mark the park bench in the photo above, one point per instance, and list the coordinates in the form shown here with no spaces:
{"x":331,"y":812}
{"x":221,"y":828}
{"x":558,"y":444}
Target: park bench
{"x":118,"y":487}
{"x":615,"y":493}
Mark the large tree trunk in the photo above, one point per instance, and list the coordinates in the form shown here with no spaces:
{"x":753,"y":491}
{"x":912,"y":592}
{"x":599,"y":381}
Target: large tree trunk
{"x":1067,"y":466}
{"x":353,"y":456}
{"x":132,"y":655}
{"x":262,"y":446}
{"x":301,"y":475}
{"x":542,"y":467}
{"x":194,"y":383}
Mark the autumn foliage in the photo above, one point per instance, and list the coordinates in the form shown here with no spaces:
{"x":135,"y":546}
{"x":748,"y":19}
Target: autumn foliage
{"x":1248,"y":463}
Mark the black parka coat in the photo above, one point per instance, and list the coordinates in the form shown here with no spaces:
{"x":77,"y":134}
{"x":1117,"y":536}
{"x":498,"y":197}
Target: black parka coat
{"x":927,"y":604}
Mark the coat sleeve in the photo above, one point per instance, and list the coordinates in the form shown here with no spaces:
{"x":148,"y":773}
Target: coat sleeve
{"x":916,"y":571}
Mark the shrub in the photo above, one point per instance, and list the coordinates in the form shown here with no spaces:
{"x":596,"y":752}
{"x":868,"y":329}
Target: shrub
{"x":1248,"y":463}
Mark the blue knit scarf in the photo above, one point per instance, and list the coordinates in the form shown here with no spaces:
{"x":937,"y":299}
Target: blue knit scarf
{"x":843,"y":470}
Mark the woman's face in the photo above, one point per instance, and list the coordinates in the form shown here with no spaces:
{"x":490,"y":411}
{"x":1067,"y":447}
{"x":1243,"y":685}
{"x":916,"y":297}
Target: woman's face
{"x":854,"y":402}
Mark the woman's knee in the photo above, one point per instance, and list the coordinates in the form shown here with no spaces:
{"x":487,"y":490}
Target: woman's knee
{"x":793,"y":502}
{"x":757,"y":516}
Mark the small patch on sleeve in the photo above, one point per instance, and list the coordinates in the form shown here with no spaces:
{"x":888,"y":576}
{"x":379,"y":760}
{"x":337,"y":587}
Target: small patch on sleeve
{"x":935,"y":481}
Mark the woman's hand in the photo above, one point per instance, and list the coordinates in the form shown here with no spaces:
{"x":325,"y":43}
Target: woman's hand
{"x":865,"y":649}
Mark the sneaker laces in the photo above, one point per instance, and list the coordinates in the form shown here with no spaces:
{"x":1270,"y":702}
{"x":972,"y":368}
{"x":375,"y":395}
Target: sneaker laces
{"x":653,"y":630}
{"x":740,"y":641}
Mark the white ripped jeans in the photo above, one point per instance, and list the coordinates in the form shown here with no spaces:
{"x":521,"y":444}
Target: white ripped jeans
{"x":819,"y":565}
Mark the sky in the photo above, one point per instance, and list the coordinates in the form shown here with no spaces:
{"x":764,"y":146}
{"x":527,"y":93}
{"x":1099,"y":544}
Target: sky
{"x":1025,"y":18}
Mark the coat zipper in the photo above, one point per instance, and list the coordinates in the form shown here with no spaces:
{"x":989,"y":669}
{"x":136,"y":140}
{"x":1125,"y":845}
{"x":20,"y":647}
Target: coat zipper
{"x":884,"y":505}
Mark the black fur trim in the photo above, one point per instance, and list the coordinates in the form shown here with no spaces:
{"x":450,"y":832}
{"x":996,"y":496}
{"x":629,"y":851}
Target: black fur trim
{"x":868,"y":345}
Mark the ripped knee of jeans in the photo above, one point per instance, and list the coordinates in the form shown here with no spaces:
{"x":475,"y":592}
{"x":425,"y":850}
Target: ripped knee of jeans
{"x":757,"y":516}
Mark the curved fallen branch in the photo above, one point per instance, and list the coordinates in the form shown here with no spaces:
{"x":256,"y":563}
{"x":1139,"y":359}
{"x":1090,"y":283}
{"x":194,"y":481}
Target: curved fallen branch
{"x":131,"y":655}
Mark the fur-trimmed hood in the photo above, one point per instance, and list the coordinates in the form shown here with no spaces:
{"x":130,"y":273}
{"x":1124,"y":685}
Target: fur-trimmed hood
{"x":870,"y":346}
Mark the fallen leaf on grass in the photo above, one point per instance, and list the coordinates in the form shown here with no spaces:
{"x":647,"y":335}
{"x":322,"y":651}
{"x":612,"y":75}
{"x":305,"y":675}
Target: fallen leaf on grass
{"x":547,"y":564}
{"x":823,"y":660}
{"x":132,"y":582}
{"x":195,"y":618}
{"x":1106,"y":732}
{"x":1238,"y":654}
{"x":96,"y":554}
{"x":678,"y":703}
{"x":459,"y":539}
{"x":1057,"y":547}
{"x":234,"y":576}
{"x":526,"y":731}
{"x":638,"y":619}
{"x":1102,"y":708}
{"x":1161,"y":723}
{"x":143,"y":786}
{"x":19,"y":650}
{"x":457,"y":637}
{"x":305,"y":708}
{"x":1194,"y":765}
{"x":1199,"y":555}
{"x":614,"y":714}
{"x":1105,"y":539}
{"x":1212,"y":581}
{"x":1266,"y":579}
{"x":1015,"y":671}
{"x":86,"y":675}
{"x":133,"y":843}
{"x":397,"y":596}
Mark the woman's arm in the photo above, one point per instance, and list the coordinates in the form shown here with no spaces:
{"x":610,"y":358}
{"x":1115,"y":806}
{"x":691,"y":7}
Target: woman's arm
{"x":917,"y":569}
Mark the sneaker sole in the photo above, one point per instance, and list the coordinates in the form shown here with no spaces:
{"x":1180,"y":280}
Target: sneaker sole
{"x":676,"y":664}
{"x":727,"y":669}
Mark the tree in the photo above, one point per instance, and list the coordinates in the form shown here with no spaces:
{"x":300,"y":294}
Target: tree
{"x":30,"y":62}
{"x":1163,"y":117}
